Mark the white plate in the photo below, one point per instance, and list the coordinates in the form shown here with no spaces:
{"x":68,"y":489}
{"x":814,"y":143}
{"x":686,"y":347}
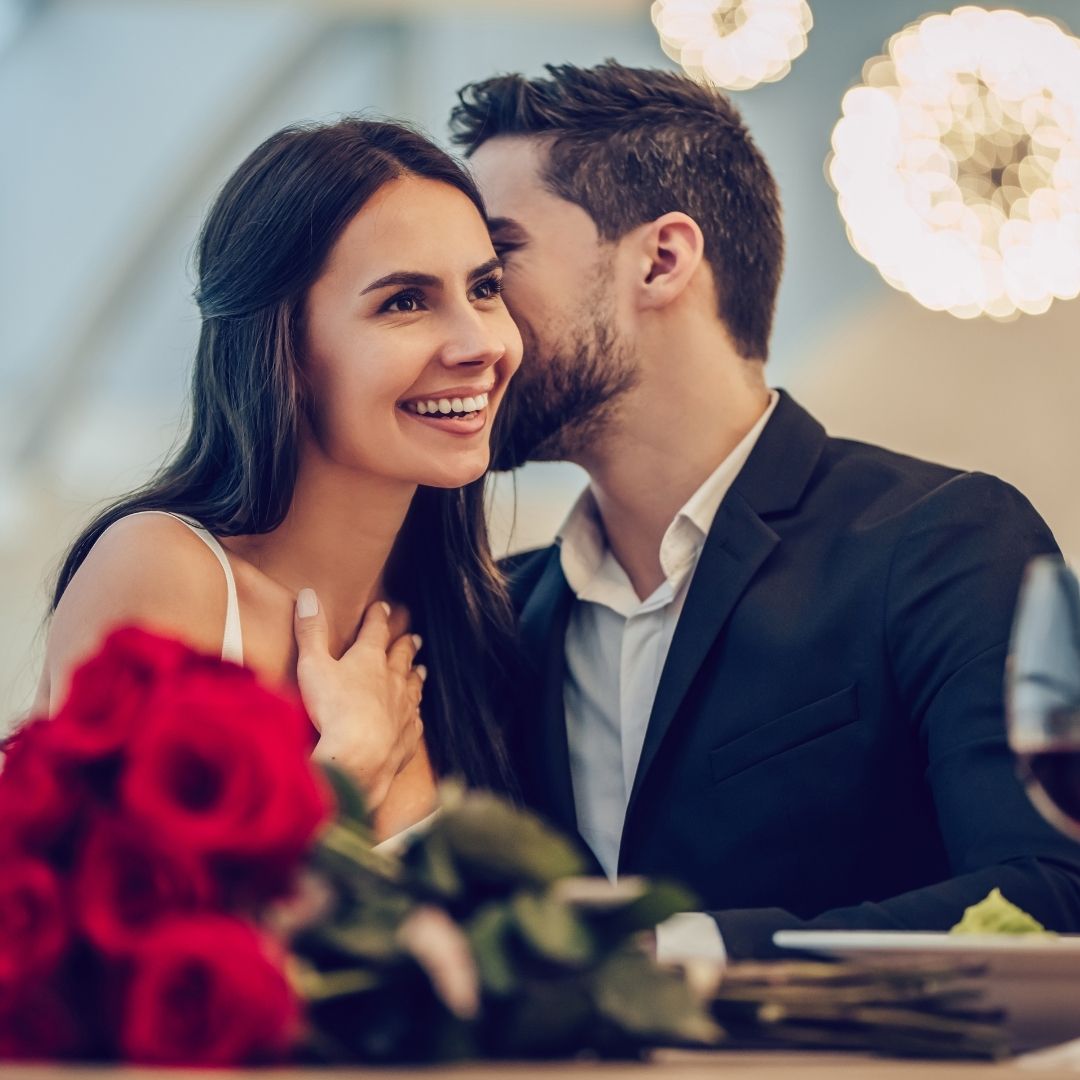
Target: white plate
{"x":1035,"y":979}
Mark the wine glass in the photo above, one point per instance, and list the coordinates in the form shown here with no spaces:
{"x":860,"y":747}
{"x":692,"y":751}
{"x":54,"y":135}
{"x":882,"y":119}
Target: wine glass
{"x":1043,"y":691}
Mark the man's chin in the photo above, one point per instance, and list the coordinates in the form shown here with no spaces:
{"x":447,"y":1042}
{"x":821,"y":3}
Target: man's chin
{"x":563,"y":415}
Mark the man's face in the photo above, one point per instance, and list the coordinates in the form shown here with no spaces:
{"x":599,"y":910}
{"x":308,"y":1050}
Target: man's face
{"x":559,"y":285}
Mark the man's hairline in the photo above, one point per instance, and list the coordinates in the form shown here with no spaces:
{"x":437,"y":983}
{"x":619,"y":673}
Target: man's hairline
{"x":543,"y":140}
{"x":539,"y":138}
{"x":527,"y":136}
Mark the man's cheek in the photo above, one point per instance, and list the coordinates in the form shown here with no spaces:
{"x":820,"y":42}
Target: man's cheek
{"x":515,"y":290}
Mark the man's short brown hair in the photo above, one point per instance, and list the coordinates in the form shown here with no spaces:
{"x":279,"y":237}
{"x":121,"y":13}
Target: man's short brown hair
{"x":630,"y":144}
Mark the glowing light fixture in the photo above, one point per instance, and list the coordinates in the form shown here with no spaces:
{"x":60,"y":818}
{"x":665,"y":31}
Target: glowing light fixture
{"x":733,"y":43}
{"x":957,"y":163}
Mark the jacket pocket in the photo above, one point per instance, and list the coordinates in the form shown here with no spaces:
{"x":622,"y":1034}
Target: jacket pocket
{"x":793,"y":729}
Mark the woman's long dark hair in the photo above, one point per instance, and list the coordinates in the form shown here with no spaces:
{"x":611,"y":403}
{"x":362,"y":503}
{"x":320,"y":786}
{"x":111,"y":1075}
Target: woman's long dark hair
{"x":263,"y":245}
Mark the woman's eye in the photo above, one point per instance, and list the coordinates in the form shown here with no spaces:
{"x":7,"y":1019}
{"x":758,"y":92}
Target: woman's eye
{"x":403,"y":304}
{"x":489,"y":288}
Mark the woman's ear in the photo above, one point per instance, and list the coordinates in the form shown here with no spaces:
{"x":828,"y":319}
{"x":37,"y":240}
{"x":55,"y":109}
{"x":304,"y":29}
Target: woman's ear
{"x":672,"y":248}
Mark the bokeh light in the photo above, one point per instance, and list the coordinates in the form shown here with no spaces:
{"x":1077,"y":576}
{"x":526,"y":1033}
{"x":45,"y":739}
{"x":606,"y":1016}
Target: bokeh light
{"x":957,"y":163}
{"x":733,"y":43}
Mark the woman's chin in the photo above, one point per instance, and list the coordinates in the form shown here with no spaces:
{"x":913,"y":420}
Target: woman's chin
{"x":460,"y":474}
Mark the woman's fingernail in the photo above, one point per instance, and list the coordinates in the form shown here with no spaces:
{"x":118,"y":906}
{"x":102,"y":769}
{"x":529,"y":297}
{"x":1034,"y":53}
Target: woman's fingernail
{"x":307,"y":603}
{"x":418,"y":642}
{"x":421,"y":671}
{"x":386,"y":607}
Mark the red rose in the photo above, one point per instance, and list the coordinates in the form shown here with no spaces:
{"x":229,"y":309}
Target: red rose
{"x":128,"y":880}
{"x":34,"y":930}
{"x":221,"y":767}
{"x":208,"y":990}
{"x":41,"y":796}
{"x":109,"y":693}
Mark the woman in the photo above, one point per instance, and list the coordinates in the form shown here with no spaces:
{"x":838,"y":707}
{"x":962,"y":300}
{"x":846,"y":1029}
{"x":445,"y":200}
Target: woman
{"x":354,"y":350}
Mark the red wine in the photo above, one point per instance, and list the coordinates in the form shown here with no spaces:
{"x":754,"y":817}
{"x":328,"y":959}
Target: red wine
{"x":1052,"y":777}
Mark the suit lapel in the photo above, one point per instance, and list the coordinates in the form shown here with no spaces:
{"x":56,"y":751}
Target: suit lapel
{"x":738,"y":543}
{"x":542,"y":628}
{"x":740,"y":540}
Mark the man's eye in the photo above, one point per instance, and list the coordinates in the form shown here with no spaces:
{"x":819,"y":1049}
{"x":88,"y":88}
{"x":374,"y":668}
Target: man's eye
{"x":506,"y":247}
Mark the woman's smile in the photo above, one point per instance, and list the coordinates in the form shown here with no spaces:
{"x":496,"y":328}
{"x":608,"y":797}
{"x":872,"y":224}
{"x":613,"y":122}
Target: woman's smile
{"x":458,"y":410}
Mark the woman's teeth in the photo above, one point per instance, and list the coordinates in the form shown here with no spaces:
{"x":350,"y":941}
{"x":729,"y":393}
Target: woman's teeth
{"x":449,"y":406}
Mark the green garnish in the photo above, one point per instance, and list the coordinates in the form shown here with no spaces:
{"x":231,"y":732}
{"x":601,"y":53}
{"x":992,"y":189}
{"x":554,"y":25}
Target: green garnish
{"x":996,"y":915}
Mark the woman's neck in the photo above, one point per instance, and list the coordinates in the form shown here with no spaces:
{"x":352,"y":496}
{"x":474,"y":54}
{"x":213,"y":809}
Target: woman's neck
{"x":336,"y":539}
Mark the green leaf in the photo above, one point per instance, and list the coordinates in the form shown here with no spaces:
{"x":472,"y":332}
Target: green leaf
{"x":502,"y":843}
{"x":351,"y":807}
{"x":432,"y":865}
{"x":659,"y":901}
{"x":315,"y":986}
{"x":371,"y":941}
{"x":351,"y":856}
{"x":651,"y":1003}
{"x":598,"y":893}
{"x":489,"y":937}
{"x":552,"y":930}
{"x":548,"y":1017}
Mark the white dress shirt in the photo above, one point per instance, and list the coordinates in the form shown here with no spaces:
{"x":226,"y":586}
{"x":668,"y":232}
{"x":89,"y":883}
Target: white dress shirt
{"x":616,"y":647}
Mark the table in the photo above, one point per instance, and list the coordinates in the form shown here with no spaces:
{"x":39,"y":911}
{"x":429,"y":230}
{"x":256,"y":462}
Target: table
{"x":666,"y":1065}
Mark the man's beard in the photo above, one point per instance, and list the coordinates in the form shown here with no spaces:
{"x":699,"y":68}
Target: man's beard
{"x":558,"y":405}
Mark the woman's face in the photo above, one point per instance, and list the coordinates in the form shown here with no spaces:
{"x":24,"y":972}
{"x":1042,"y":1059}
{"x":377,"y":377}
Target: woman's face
{"x":408,"y":345}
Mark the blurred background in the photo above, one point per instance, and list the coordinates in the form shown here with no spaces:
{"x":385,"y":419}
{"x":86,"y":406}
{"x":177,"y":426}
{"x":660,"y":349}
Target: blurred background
{"x":119,"y":119}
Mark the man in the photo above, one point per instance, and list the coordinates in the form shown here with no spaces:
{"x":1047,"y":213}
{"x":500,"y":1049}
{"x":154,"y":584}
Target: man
{"x":763,"y":661}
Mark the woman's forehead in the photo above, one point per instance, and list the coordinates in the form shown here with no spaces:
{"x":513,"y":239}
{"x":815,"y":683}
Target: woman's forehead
{"x":412,"y":219}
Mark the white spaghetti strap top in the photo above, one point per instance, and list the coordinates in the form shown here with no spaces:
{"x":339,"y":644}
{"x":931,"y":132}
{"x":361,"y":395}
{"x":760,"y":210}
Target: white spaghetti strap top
{"x":395,"y":845}
{"x":232,"y":644}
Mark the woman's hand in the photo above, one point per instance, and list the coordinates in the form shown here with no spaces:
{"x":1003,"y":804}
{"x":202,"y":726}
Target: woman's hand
{"x":366,"y":706}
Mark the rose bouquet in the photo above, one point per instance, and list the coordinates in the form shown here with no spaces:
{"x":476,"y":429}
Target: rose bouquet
{"x":480,"y":941}
{"x":182,"y":885}
{"x":145,"y":831}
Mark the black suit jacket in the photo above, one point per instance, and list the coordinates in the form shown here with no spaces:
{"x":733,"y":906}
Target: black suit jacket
{"x":827,"y":743}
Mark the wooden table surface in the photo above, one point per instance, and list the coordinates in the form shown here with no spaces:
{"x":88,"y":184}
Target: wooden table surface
{"x":731,"y":1065}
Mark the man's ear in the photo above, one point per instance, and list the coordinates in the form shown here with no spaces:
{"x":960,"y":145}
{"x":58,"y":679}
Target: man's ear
{"x":671,"y":250}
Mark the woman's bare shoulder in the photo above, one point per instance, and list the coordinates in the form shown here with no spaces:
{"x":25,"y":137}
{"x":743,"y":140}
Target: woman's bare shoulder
{"x":148,"y":569}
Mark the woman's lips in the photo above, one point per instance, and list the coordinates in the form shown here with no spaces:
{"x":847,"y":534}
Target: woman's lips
{"x":461,"y":413}
{"x":465,"y":426}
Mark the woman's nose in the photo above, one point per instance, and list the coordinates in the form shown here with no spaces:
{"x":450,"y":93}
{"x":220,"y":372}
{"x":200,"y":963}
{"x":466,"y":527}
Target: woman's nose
{"x":473,"y":344}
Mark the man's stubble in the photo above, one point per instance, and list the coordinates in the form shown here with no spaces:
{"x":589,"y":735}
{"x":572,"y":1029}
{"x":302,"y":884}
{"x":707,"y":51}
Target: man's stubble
{"x":565,"y":395}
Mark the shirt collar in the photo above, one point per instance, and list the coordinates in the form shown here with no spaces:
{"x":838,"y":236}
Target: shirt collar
{"x":587,"y":562}
{"x":582,"y":543}
{"x":701,"y":507}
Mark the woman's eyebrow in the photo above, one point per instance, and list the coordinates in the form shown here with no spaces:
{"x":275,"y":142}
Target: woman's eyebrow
{"x":403,"y":277}
{"x":430,"y":281}
{"x":485,"y":268}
